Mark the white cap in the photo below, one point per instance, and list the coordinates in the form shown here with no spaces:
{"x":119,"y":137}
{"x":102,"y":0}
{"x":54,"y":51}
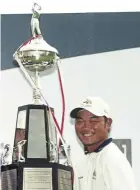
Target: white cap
{"x":94,"y":105}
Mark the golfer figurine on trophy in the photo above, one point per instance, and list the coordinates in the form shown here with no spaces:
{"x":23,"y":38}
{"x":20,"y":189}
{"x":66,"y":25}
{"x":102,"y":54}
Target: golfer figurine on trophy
{"x":36,"y":161}
{"x":35,"y":28}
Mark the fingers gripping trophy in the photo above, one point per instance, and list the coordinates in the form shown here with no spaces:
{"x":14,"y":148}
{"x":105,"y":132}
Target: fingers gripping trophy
{"x":37,"y":134}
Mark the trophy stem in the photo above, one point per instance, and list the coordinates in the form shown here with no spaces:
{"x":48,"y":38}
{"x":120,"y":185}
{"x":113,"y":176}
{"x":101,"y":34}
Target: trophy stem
{"x":36,"y":94}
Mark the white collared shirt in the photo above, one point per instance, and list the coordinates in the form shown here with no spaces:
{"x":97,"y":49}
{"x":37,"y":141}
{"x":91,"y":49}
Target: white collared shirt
{"x":107,"y":169}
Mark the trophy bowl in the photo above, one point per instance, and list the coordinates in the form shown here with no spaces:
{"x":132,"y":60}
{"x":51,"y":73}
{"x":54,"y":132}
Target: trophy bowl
{"x":41,"y":59}
{"x":37,"y":54}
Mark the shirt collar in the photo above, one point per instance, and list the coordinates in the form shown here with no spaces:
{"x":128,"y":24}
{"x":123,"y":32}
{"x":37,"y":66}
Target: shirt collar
{"x":104,"y":144}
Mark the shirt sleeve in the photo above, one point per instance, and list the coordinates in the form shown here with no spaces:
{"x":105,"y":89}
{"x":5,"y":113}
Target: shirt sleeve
{"x":117,"y":173}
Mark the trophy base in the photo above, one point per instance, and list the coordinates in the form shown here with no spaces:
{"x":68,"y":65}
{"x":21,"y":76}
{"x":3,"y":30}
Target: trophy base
{"x":28,"y":176}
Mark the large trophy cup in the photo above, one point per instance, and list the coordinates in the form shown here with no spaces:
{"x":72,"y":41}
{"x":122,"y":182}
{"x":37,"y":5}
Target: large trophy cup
{"x":35,"y":161}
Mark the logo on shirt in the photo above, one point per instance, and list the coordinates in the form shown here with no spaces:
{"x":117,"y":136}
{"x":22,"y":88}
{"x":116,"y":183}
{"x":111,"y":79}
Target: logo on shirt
{"x":94,"y":175}
{"x":80,"y":177}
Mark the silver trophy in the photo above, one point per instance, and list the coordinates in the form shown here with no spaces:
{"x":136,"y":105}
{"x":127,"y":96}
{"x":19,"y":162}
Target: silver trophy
{"x":36,"y":159}
{"x":35,"y":56}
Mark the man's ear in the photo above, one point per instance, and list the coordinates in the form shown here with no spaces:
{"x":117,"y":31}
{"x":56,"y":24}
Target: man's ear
{"x":108,"y":124}
{"x":109,"y":121}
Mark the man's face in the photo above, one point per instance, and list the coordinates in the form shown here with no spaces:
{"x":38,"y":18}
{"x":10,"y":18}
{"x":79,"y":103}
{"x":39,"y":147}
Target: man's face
{"x":91,"y":129}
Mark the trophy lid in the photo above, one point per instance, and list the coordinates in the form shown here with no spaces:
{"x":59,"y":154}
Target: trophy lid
{"x":38,"y":44}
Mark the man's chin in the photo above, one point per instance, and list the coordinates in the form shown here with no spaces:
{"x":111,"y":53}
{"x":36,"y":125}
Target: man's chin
{"x":88,"y":141}
{"x":89,"y":144}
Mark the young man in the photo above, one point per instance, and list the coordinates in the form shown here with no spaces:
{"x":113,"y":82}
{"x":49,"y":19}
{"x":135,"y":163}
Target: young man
{"x":104,"y":166}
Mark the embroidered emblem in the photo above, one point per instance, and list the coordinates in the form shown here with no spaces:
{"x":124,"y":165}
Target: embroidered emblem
{"x":87,"y":102}
{"x":105,"y":111}
{"x":80,"y":177}
{"x":94,"y":175}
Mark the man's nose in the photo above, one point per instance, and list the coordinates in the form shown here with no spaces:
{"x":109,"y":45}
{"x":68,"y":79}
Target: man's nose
{"x":87,"y":124}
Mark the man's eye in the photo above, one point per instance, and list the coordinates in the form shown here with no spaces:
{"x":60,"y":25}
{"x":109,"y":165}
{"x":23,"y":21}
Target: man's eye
{"x":93,"y":120}
{"x":79,"y":121}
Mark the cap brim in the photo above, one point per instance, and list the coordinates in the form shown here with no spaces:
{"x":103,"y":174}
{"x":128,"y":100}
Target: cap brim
{"x":74,"y":112}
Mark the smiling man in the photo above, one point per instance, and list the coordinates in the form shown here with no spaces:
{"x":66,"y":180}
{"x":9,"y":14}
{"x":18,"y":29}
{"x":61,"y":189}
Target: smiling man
{"x":104,"y":166}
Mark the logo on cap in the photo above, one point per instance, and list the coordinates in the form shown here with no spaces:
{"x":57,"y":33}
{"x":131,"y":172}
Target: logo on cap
{"x":87,"y":102}
{"x":105,"y":112}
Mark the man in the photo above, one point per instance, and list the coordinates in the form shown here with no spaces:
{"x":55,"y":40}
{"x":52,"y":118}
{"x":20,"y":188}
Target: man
{"x":104,"y":166}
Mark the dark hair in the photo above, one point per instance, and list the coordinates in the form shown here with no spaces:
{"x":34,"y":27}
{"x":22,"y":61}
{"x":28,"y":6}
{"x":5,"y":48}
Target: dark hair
{"x":105,"y":118}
